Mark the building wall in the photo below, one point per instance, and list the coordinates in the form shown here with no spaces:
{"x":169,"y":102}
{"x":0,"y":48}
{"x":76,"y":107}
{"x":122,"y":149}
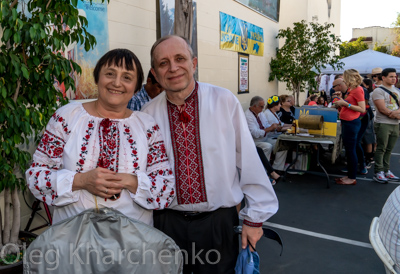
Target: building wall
{"x":382,"y":36}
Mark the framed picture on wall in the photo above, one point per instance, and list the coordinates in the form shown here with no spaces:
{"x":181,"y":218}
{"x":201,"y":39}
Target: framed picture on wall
{"x":243,"y":73}
{"x":268,"y":8}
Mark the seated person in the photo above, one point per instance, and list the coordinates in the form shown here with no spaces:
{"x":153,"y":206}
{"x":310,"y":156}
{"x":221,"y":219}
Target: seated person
{"x":274,"y":104}
{"x":312,"y":100}
{"x":389,"y":228}
{"x":321,"y":101}
{"x":286,"y":112}
{"x":259,"y":126}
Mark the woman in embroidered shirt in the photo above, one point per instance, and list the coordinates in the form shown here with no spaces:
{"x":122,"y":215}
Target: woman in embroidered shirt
{"x":102,"y":151}
{"x":351,"y":108}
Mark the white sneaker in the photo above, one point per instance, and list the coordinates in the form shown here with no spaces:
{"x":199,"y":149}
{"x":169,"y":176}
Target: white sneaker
{"x":380,"y":178}
{"x":391,"y":177}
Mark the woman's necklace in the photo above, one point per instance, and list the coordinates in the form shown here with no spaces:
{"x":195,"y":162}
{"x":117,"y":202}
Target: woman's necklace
{"x":95,"y":108}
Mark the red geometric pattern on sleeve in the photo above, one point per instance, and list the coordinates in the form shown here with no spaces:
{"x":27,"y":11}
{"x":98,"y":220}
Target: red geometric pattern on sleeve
{"x":189,"y":173}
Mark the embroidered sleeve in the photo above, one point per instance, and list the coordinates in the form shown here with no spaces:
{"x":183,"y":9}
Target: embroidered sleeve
{"x":156,"y":185}
{"x":46,"y":179}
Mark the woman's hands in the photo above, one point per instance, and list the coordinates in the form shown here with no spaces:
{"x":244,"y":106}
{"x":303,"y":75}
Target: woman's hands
{"x":104,"y":183}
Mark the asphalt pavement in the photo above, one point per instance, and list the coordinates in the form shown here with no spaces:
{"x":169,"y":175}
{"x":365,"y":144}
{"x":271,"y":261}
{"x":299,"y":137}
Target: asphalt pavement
{"x":325,"y":230}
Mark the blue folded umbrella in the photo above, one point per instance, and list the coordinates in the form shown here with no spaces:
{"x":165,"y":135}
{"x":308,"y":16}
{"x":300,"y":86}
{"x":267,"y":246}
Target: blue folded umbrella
{"x":247,"y":262}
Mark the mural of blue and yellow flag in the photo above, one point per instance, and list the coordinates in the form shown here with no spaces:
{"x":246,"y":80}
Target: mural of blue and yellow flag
{"x":241,"y":36}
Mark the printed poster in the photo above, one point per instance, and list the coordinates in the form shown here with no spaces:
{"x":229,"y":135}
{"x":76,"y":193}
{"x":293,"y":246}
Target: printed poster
{"x":241,"y":36}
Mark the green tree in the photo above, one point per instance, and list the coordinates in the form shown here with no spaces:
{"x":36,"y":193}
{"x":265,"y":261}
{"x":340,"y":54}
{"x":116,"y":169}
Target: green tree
{"x":307,"y":48}
{"x":351,"y":48}
{"x":381,"y":48}
{"x":34,"y":35}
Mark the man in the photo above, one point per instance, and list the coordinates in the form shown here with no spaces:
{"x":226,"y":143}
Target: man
{"x":386,"y":125}
{"x":258,"y":125}
{"x":338,"y":85}
{"x":215,"y":161}
{"x":148,"y":91}
{"x":332,"y":90}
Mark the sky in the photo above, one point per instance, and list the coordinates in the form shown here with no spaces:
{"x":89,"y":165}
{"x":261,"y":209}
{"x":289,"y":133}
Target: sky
{"x":366,"y":13}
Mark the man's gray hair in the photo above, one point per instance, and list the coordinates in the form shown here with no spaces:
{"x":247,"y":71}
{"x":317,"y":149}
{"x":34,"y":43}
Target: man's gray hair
{"x":164,"y":38}
{"x":255,"y":100}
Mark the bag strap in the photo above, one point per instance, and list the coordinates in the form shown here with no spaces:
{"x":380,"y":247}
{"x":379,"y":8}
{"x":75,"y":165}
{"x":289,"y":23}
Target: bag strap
{"x":391,"y":94}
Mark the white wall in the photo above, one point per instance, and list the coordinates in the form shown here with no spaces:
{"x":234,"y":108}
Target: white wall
{"x":383,"y":36}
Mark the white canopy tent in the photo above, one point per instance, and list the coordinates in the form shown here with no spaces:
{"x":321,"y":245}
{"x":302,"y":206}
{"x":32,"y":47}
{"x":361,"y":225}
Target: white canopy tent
{"x":365,"y":61}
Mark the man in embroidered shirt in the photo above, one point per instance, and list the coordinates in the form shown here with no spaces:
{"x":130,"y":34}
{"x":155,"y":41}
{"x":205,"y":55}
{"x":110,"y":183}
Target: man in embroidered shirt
{"x":386,"y":125}
{"x":208,"y":144}
{"x":258,"y":125}
{"x":148,"y":91}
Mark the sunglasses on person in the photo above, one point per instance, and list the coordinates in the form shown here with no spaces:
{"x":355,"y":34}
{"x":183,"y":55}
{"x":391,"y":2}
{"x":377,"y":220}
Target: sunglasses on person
{"x":375,"y":75}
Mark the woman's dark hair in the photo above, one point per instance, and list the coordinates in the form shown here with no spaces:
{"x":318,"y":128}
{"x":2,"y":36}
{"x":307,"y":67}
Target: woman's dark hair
{"x":313,"y":97}
{"x":273,"y":103}
{"x":117,"y":57}
{"x":368,"y":82}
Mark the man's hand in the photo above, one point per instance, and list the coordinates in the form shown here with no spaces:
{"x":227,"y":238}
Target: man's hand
{"x":251,"y":234}
{"x":100,"y":182}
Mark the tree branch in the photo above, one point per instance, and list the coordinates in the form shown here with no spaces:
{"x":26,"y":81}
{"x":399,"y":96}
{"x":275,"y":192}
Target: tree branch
{"x":15,"y":97}
{"x":13,"y":4}
{"x":48,"y":4}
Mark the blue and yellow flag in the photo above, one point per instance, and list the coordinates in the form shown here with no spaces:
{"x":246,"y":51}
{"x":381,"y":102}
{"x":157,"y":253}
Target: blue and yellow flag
{"x":241,"y":36}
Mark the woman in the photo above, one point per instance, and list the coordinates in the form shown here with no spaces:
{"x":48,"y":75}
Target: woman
{"x":312,"y":100}
{"x":273,"y":105}
{"x":101,"y":153}
{"x":321,"y":101}
{"x":351,"y":108}
{"x":273,"y":176}
{"x":285,"y":113}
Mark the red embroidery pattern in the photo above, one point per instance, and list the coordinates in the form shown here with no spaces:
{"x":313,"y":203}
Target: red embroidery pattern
{"x":189,"y":171}
{"x":109,"y":145}
{"x":157,"y":154}
{"x":151,"y":131}
{"x":134,"y":152}
{"x":47,"y":179}
{"x":84,"y":149}
{"x":61,"y":120}
{"x":170,"y":197}
{"x":51,"y":145}
{"x":248,"y":223}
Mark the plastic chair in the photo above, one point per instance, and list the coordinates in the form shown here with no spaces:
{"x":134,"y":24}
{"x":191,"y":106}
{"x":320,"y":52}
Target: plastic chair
{"x":379,"y":248}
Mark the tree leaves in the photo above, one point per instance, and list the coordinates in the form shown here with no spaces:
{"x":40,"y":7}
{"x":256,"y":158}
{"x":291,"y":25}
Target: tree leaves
{"x":307,"y":48}
{"x":30,"y":64}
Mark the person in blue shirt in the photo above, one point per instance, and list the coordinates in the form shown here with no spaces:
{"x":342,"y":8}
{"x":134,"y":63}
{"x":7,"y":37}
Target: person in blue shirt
{"x":148,"y":91}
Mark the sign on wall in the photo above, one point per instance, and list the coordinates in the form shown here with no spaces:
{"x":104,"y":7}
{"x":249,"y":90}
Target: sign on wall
{"x":243,"y":73}
{"x":268,"y":8}
{"x":241,"y":36}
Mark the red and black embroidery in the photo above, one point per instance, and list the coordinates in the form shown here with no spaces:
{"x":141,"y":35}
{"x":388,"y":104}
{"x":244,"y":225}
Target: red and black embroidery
{"x":189,"y":173}
{"x":49,"y":188}
{"x":109,"y":145}
{"x":61,"y":120}
{"x":51,"y":145}
{"x":84,"y":146}
{"x":133,"y":148}
{"x":162,"y":193}
{"x":157,"y":154}
{"x":152,"y":131}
